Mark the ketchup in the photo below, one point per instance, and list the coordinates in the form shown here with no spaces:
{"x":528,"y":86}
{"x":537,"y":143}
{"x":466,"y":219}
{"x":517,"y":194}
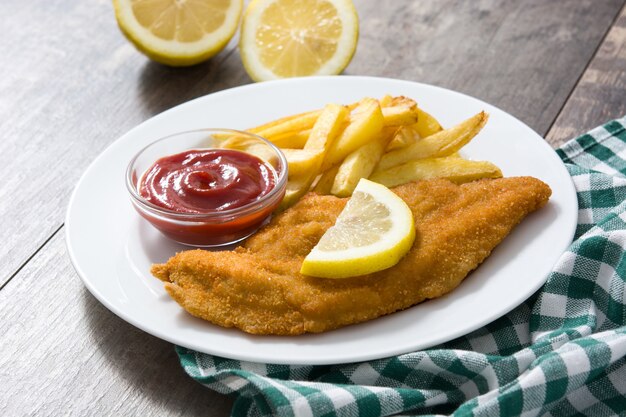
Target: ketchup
{"x":205,"y":181}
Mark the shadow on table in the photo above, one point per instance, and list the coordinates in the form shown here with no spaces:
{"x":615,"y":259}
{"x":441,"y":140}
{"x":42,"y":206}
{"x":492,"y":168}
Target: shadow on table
{"x":162,"y":87}
{"x":149,"y":366}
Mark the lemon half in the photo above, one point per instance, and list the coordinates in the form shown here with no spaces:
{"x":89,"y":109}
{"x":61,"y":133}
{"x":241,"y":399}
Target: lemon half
{"x":178,"y":32}
{"x":373,"y":232}
{"x":292,"y":38}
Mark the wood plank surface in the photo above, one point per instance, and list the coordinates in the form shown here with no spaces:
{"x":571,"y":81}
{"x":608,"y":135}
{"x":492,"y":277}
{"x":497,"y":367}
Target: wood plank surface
{"x":601,"y":93}
{"x":67,"y":90}
{"x":523,"y":57}
{"x":70,"y":84}
{"x":64,"y":353}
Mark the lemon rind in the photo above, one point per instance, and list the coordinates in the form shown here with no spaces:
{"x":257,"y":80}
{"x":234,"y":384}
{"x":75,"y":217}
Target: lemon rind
{"x":376,"y":263}
{"x":172,"y":52}
{"x":400,"y":225}
{"x":346,"y":48}
{"x":376,"y":257}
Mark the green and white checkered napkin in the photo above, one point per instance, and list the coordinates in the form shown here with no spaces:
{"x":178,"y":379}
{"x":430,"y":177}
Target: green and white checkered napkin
{"x":561,"y":353}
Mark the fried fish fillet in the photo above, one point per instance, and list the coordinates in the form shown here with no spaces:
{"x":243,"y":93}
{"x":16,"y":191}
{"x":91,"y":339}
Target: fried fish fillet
{"x":258,"y":288}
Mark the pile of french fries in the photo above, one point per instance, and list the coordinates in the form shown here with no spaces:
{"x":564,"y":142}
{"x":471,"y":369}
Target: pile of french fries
{"x":391,"y":141}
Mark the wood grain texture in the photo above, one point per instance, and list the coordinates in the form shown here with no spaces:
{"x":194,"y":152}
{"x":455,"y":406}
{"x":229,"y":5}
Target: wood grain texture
{"x":70,"y":84}
{"x":64,"y":353}
{"x":601,"y":93}
{"x":523,"y":57}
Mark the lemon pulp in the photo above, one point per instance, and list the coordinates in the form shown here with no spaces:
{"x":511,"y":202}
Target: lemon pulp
{"x":373,"y":232}
{"x":178,"y":32}
{"x":290,"y":38}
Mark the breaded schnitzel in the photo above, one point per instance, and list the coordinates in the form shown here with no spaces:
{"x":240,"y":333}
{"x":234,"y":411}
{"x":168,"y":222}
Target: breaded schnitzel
{"x":258,"y":288}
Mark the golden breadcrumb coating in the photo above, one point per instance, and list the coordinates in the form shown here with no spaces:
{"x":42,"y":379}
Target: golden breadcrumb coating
{"x":258,"y":288}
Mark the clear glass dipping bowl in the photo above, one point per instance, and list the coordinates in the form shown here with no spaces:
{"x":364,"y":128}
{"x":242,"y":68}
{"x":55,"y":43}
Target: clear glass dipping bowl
{"x":215,"y":228}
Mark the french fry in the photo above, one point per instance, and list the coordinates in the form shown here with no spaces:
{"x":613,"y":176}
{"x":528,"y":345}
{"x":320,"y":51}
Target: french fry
{"x":403,"y":136}
{"x":291,"y":124}
{"x":359,"y":164}
{"x":402,"y":101}
{"x":397,"y":111}
{"x":390,"y":140}
{"x":454,"y":169}
{"x":323,"y":134}
{"x":301,"y":161}
{"x":293,"y":140}
{"x":309,"y":159}
{"x":401,"y":115}
{"x":437,"y":145}
{"x":326,"y":180}
{"x":296,"y":188}
{"x":291,"y":131}
{"x":426,"y":124}
{"x":264,"y":153}
{"x":367,"y":122}
{"x":385,"y":101}
{"x":235,"y":141}
{"x":297,"y":123}
{"x":251,"y":146}
{"x":300,"y":121}
{"x":326,"y":128}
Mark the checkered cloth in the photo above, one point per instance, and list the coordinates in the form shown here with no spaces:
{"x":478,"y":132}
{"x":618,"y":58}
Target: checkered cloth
{"x":561,"y":353}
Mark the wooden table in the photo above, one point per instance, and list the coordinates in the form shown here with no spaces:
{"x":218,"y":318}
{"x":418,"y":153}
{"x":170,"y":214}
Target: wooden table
{"x":70,"y":84}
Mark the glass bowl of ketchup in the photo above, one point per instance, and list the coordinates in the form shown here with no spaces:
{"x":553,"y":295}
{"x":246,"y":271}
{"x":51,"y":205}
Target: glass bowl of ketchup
{"x":207,"y":187}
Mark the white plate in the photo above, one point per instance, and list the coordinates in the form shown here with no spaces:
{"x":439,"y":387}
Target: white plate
{"x":112,"y":248}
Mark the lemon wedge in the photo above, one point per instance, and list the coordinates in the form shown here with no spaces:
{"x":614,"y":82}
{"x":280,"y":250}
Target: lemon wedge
{"x":373,"y":232}
{"x":178,"y":32}
{"x":293,"y":38}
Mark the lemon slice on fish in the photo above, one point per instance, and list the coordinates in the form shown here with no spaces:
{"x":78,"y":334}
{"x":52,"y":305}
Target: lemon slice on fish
{"x":373,"y":232}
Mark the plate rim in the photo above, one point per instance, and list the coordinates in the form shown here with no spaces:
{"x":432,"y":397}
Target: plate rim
{"x":357,"y":356}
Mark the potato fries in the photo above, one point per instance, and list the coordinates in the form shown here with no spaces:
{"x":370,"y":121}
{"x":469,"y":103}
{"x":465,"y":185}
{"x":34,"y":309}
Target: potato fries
{"x":293,"y":140}
{"x":390,"y":140}
{"x":323,"y":134}
{"x":455,"y":169}
{"x":426,"y":124}
{"x":326,"y":128}
{"x":401,"y":137}
{"x":399,"y":115}
{"x":325,"y":181}
{"x":442,"y":143}
{"x":359,"y":164}
{"x":298,"y":122}
{"x":366,"y":122}
{"x":300,"y":161}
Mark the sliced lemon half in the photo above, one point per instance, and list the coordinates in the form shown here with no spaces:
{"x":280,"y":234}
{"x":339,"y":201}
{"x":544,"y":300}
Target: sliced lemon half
{"x":373,"y":232}
{"x":178,"y":32}
{"x":294,"y":38}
